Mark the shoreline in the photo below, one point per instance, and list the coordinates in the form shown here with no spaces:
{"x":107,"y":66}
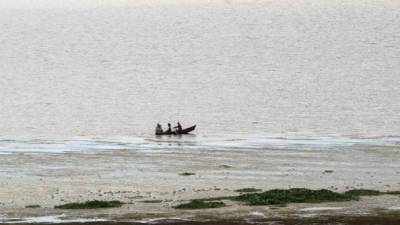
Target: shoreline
{"x":377,"y":219}
{"x":381,"y":208}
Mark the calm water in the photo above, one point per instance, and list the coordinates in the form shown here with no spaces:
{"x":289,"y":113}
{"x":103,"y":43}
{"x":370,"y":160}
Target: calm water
{"x":252,"y":71}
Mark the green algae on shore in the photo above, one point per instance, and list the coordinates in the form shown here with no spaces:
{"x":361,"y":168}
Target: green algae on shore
{"x":285,"y":196}
{"x":356,"y":193}
{"x":32,"y":206}
{"x":302,"y":195}
{"x":91,"y":205}
{"x":200,"y":204}
{"x":294,"y":195}
{"x":152,"y":201}
{"x":242,"y":190}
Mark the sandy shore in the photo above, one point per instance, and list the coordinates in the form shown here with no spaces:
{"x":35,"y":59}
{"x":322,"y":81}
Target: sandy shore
{"x":383,"y":219}
{"x":136,"y":211}
{"x":136,"y":176}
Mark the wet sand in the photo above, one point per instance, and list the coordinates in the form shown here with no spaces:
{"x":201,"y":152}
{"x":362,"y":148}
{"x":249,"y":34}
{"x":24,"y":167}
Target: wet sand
{"x":136,"y":176}
{"x":385,"y":219}
{"x":385,"y":207}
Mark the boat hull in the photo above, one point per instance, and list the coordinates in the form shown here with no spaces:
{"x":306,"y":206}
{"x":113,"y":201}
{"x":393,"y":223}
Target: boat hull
{"x":183,"y":131}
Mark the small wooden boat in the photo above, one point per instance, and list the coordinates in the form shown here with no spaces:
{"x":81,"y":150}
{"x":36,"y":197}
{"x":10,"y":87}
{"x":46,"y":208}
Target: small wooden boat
{"x":183,"y":131}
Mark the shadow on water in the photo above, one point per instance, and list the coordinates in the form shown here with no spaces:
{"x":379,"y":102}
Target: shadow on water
{"x":176,"y":140}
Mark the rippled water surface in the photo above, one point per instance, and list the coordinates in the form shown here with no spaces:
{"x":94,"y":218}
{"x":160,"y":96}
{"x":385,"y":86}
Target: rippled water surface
{"x":271,"y":69}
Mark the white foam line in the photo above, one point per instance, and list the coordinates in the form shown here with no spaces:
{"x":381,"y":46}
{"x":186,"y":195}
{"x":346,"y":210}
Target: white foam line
{"x":160,"y":219}
{"x":258,"y":214}
{"x":49,"y":219}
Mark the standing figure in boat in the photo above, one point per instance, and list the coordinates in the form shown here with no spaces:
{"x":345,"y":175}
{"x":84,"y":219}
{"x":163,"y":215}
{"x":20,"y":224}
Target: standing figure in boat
{"x":169,"y":130}
{"x":178,"y":127}
{"x":159,"y":129}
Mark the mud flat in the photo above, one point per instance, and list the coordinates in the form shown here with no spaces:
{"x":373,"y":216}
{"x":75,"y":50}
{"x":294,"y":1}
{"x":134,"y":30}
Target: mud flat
{"x":151,"y":182}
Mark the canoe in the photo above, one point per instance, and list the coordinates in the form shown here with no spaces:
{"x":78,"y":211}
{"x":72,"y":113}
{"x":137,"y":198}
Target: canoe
{"x":183,"y":131}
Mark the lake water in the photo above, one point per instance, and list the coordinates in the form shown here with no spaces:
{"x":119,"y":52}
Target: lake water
{"x":248,"y":73}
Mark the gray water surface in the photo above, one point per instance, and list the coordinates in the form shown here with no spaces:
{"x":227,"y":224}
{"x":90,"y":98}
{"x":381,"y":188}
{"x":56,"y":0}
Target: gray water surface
{"x":269,"y":68}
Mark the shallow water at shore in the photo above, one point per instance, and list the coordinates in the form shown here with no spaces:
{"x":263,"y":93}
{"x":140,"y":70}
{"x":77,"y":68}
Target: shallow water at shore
{"x":230,"y":142}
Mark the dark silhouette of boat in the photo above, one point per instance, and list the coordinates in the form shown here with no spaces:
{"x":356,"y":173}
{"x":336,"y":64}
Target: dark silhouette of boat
{"x":176,"y":132}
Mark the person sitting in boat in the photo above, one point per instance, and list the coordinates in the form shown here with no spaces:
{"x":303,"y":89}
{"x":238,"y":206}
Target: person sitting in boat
{"x":178,"y":127}
{"x":169,"y":128}
{"x":159,"y":129}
